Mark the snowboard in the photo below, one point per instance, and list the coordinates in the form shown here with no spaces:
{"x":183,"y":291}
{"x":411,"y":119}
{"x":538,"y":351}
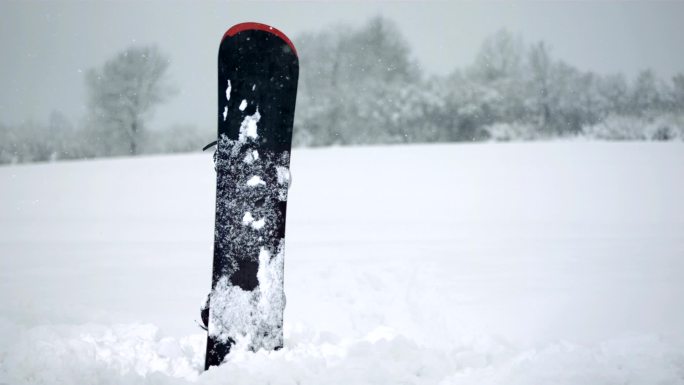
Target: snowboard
{"x":258,"y":70}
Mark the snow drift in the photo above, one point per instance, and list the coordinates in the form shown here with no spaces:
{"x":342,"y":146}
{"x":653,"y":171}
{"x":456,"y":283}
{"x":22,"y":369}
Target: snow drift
{"x":444,"y":264}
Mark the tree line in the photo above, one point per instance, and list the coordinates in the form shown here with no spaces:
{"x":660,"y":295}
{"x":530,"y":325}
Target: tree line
{"x":363,"y":86}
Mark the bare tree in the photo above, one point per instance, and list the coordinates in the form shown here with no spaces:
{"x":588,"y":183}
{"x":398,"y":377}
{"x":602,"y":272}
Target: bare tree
{"x":123,"y":93}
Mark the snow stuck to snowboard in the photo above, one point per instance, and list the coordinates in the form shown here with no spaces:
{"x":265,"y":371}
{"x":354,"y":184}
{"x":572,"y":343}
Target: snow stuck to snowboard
{"x":252,"y":184}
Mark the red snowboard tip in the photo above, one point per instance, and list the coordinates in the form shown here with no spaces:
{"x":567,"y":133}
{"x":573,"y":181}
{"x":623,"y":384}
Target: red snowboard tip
{"x":261,"y":27}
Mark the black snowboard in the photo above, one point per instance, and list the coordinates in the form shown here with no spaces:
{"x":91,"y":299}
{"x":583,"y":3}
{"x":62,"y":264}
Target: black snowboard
{"x":258,"y":70}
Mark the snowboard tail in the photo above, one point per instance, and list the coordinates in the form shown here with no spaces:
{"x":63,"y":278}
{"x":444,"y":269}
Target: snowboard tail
{"x":258,"y":71}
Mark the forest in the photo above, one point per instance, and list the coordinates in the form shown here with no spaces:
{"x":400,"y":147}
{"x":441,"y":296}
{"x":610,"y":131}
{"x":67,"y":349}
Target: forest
{"x":363,"y":85}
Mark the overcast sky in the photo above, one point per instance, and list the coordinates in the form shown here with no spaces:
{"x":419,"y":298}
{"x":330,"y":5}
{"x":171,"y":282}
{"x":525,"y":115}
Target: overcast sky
{"x":45,"y":47}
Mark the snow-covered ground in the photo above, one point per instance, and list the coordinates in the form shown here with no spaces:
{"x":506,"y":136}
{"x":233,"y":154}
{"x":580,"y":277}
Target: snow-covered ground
{"x":536,"y":263}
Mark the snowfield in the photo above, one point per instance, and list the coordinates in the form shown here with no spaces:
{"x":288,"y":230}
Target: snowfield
{"x":523,"y":263}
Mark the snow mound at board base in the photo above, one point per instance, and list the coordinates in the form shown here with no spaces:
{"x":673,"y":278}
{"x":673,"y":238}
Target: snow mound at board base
{"x":139,"y":354}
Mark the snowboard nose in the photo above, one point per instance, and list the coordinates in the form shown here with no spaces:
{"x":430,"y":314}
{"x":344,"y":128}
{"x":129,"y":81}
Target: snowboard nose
{"x":234,"y":30}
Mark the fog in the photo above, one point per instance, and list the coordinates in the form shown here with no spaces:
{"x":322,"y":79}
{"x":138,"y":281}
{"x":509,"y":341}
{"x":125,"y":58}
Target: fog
{"x":46,"y":46}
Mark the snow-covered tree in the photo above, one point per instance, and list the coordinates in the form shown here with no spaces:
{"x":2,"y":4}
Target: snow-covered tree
{"x":613,"y":92}
{"x":351,"y":85}
{"x":645,"y":95}
{"x":498,"y":69}
{"x":677,"y":93}
{"x":123,"y":93}
{"x":500,"y":56}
